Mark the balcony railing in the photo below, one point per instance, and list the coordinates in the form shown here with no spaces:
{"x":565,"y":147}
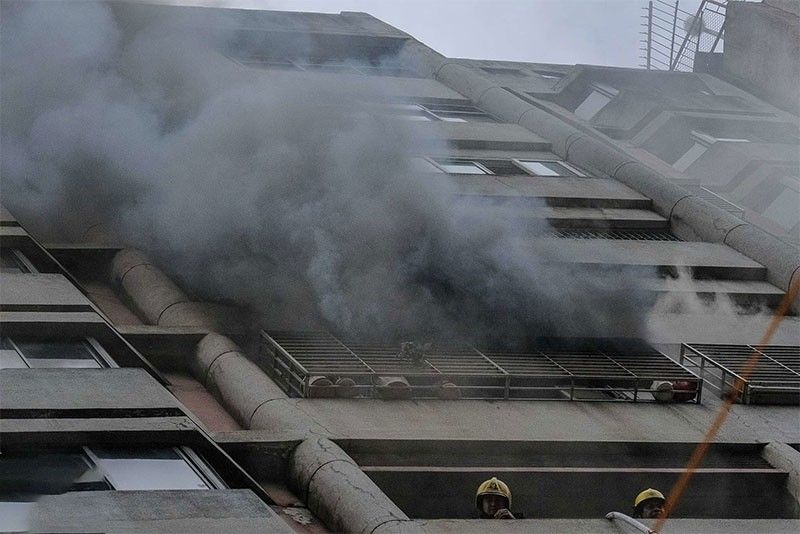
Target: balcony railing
{"x":774,"y":380}
{"x":319,"y":364}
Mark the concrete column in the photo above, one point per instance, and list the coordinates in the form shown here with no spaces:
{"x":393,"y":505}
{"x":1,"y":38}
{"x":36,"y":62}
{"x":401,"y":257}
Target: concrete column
{"x":694,"y":218}
{"x":153,"y":294}
{"x":782,"y":456}
{"x":337,"y":491}
{"x":246,"y":392}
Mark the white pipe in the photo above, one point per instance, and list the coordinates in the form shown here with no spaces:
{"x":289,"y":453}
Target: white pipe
{"x":611,"y":516}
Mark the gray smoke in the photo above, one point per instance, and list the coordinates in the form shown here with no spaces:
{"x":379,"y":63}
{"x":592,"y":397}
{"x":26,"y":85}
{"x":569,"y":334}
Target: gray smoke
{"x":276,"y":191}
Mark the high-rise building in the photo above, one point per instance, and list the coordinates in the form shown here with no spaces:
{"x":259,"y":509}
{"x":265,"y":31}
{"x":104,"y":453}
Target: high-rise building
{"x":137,"y":396}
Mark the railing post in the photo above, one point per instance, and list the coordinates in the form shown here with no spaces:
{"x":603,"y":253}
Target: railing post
{"x":649,"y":31}
{"x":672,"y":43}
{"x":699,"y":36}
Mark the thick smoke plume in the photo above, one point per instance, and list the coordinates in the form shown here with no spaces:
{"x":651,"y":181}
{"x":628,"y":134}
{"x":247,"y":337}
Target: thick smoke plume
{"x":277,"y":191}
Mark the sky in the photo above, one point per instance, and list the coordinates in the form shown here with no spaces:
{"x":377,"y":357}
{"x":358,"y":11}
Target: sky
{"x":599,"y":32}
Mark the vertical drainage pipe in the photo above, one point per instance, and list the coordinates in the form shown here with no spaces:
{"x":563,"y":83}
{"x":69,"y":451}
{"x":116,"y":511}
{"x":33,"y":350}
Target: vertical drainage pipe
{"x":337,"y":491}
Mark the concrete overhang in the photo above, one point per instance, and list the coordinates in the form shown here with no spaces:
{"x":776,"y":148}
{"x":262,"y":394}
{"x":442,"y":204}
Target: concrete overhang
{"x":41,"y":292}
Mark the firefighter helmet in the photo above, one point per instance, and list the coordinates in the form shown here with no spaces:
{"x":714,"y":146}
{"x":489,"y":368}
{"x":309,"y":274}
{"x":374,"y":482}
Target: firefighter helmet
{"x":493,"y":486}
{"x":646,"y":495}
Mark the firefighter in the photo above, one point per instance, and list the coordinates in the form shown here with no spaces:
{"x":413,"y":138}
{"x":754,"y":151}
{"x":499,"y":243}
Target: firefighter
{"x":493,"y":500}
{"x":649,"y":504}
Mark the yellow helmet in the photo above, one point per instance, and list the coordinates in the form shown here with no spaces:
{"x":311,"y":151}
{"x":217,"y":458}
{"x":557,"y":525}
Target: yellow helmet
{"x":649,"y":493}
{"x":493,"y":486}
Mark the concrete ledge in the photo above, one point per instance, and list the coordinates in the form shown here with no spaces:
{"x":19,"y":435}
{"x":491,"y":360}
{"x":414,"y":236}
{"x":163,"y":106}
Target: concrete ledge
{"x":40,"y":292}
{"x":336,"y":490}
{"x":782,"y":456}
{"x":89,"y":390}
{"x":599,"y":526}
{"x":156,"y":511}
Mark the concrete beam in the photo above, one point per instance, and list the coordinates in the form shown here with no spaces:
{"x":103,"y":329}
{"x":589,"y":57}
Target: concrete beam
{"x":337,"y":491}
{"x":197,"y":511}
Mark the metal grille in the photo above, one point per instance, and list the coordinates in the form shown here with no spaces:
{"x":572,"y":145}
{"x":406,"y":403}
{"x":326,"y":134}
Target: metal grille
{"x":775,"y":379}
{"x":631,"y":235}
{"x":673,"y":37}
{"x":596,"y":371}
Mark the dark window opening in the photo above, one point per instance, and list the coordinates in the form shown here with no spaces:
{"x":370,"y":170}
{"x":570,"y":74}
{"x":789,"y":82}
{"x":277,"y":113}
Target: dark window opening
{"x":12,"y":260}
{"x":22,"y":353}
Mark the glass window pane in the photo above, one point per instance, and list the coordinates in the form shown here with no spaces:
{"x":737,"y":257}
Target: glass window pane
{"x":546,"y":168}
{"x":63,"y":363}
{"x":460,"y":167}
{"x":15,"y":516}
{"x":9,"y":263}
{"x":148,"y":469}
{"x":35,"y":349}
{"x":423,"y":165}
{"x":411,"y":112}
{"x":452,"y":117}
{"x":592,"y":105}
{"x":40,"y":473}
{"x":10,"y":359}
{"x":690,"y":156}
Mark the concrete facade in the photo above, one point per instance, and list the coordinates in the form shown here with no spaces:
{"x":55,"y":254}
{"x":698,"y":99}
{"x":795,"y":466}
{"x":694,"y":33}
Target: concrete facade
{"x":762,"y":42}
{"x":176,"y":373}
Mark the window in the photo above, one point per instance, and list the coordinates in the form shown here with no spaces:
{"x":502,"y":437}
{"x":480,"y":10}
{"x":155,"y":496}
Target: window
{"x":411,"y":112}
{"x":702,"y":141}
{"x":27,"y":475}
{"x":384,"y":70}
{"x":500,"y":167}
{"x":150,"y":469}
{"x":599,"y":96}
{"x":14,"y":514}
{"x":423,"y":165}
{"x":457,"y":166}
{"x":549,"y":75}
{"x":505,"y":71}
{"x":458,"y":113}
{"x":440,"y":112}
{"x":547,"y":168}
{"x":13,"y":260}
{"x":32,"y":353}
{"x":387,"y":68}
{"x":327,"y":67}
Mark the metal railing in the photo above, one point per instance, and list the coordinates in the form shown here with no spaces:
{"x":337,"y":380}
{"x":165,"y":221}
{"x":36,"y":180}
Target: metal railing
{"x":775,"y":380}
{"x":629,"y":235}
{"x":672,"y":37}
{"x":309,"y":364}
